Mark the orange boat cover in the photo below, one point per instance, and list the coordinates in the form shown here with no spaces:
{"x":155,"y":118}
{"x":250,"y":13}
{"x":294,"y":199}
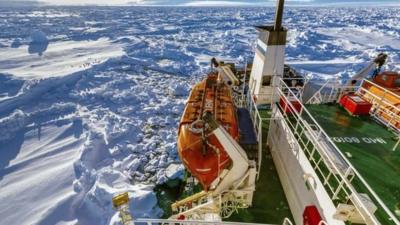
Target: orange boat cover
{"x":201,"y":153}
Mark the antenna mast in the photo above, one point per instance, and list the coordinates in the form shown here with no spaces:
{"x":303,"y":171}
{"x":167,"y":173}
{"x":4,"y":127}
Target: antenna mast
{"x":269,"y":58}
{"x":279,"y":15}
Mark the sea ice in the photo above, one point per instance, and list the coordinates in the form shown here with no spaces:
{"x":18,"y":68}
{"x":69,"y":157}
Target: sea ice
{"x":94,"y":111}
{"x":44,"y":59}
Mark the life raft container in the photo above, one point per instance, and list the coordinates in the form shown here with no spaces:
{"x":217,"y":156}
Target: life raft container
{"x":201,"y":153}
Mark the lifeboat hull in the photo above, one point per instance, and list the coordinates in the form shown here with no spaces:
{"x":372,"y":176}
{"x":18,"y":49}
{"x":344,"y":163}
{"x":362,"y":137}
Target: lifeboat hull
{"x":201,"y":153}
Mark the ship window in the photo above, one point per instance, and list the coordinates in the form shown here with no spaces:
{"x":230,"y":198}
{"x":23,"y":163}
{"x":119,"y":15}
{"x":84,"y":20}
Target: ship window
{"x":266,"y":80}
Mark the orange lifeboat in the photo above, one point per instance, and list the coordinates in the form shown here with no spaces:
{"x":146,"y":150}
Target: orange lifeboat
{"x":201,"y":152}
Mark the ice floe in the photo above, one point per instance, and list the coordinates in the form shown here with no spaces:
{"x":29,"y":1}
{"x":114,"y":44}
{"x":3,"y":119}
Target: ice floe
{"x":43,"y":58}
{"x":95,"y":111}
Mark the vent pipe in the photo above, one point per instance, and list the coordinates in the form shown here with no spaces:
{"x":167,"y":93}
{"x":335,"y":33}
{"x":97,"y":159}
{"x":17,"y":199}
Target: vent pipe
{"x":279,"y":15}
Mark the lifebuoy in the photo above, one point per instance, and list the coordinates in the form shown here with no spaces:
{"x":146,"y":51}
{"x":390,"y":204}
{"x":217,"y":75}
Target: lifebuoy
{"x":194,"y":129}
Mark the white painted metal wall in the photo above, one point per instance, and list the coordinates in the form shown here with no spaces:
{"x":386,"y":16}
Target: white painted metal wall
{"x":285,"y":137}
{"x":268,"y":61}
{"x":295,"y":170}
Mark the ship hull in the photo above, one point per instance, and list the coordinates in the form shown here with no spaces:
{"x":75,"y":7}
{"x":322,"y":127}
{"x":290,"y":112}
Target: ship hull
{"x":293,"y":168}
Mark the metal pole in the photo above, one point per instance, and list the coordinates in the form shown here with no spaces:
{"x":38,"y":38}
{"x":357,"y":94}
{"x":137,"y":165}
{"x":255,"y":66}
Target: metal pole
{"x":244,"y":86}
{"x":278,"y":15}
{"x":260,"y":145}
{"x":397,"y":144}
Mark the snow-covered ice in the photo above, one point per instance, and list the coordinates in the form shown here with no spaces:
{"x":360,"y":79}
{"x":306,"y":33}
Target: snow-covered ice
{"x":90,"y":97}
{"x":41,"y":59}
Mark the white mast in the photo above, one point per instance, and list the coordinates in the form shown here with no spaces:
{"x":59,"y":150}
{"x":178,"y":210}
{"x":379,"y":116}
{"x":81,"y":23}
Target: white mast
{"x":269,"y":59}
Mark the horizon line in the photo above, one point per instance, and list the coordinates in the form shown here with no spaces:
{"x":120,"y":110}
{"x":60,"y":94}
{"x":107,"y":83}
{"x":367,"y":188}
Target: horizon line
{"x":214,"y":4}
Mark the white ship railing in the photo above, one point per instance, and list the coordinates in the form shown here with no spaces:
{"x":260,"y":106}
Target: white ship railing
{"x":286,"y":221}
{"x":196,"y":222}
{"x":323,"y":95}
{"x":258,"y":122}
{"x":323,"y":154}
{"x":383,"y":89}
{"x":332,"y":92}
{"x":380,"y":105}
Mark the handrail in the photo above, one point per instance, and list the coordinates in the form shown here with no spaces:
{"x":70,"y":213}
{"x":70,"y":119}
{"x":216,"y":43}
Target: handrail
{"x":191,"y":222}
{"x":382,"y":88}
{"x":286,"y":221}
{"x":397,"y":108}
{"x":348,"y":183}
{"x":319,"y":91}
{"x":257,"y":124}
{"x":342,"y":176}
{"x":323,"y":222}
{"x":382,"y":105}
{"x":374,"y":95}
{"x":362,"y":90}
{"x":187,"y":200}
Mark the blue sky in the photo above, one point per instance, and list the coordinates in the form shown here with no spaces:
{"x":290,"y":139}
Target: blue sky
{"x":206,"y":2}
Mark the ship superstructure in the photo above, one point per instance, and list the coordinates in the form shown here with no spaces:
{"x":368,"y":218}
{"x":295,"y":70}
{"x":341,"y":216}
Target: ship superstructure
{"x":334,"y":147}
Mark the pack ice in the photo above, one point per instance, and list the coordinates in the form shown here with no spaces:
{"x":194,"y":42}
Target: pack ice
{"x":90,"y":97}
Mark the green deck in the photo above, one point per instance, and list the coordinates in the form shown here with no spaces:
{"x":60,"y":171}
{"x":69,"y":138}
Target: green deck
{"x":368,"y":146}
{"x":269,"y":202}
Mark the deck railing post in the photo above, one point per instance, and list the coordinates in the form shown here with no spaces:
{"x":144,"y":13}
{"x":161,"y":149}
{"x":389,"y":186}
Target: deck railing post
{"x":244,"y":84}
{"x":342,"y":182}
{"x":381,"y":100}
{"x":326,"y":181}
{"x":330,"y":95}
{"x":251,"y":106}
{"x":286,"y":221}
{"x":343,"y":178}
{"x":260,"y":144}
{"x":397,"y":143}
{"x":285,"y":103}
